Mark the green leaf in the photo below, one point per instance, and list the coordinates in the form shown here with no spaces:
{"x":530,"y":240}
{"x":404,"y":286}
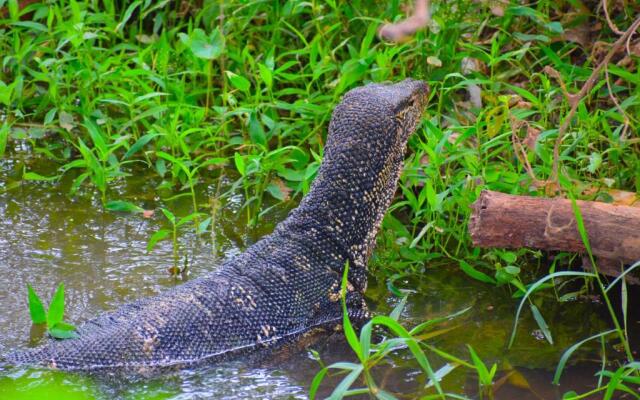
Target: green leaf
{"x":344,"y":385}
{"x":624,"y":299}
{"x":581,"y":227}
{"x":31,"y":25}
{"x":32,"y":176}
{"x":503,"y":276}
{"x":507,"y":275}
{"x":483,"y":372}
{"x":275,"y":191}
{"x":624,"y":74}
{"x":206,"y":47}
{"x":525,"y":12}
{"x":161,"y":167}
{"x":351,"y":72}
{"x":156,"y":237}
{"x":421,"y":327}
{"x":509,"y":256}
{"x":5,"y":93}
{"x":349,"y":332}
{"x":525,"y":37}
{"x":266,"y":75}
{"x":365,"y":339}
{"x":240,"y":165}
{"x":65,"y":326}
{"x":36,"y":309}
{"x":622,"y":275}
{"x":179,"y":163}
{"x":127,"y":14}
{"x":4,"y":138}
{"x":147,"y":96}
{"x":397,"y":310}
{"x":14,"y":10}
{"x":122,"y":206}
{"x":50,"y":116}
{"x":432,"y":197}
{"x":567,"y":354}
{"x":75,"y":11}
{"x":139,"y":144}
{"x":534,"y":287}
{"x":415,"y":349}
{"x":475,"y":274}
{"x":512,"y":269}
{"x":202,"y":228}
{"x":365,"y":44}
{"x":555,"y":27}
{"x":630,"y":376}
{"x":97,"y":171}
{"x":55,"y":314}
{"x":383,"y":395}
{"x":256,"y":132}
{"x":63,"y":330}
{"x":315,"y":384}
{"x":542,"y":324}
{"x":595,"y":159}
{"x":75,"y":185}
{"x":239,"y":81}
{"x":442,"y":372}
{"x":189,"y":218}
{"x":170,"y":216}
{"x":614,"y":384}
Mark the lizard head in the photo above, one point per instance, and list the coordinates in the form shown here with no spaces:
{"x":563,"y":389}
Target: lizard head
{"x":403,"y":101}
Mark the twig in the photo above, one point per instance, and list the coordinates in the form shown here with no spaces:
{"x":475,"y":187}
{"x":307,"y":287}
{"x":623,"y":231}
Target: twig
{"x":612,"y":26}
{"x":407,"y":27}
{"x":574,"y":100}
{"x":518,"y":146}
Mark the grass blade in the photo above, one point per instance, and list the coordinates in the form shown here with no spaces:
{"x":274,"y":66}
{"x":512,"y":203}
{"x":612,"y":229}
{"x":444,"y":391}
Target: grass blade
{"x":542,"y":324}
{"x":397,"y":310}
{"x":417,"y":352}
{"x":340,"y":390}
{"x":315,"y":383}
{"x":532,"y":289}
{"x":483,"y":372}
{"x":567,"y":354}
{"x":622,"y":275}
{"x":349,"y":332}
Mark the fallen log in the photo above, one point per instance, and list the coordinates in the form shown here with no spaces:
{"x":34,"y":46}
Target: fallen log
{"x":507,"y":221}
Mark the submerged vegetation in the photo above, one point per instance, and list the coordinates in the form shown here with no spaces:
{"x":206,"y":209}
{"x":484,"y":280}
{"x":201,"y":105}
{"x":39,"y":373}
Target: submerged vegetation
{"x":241,"y":92}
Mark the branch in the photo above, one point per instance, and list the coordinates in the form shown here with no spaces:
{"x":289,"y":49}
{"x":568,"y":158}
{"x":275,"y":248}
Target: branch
{"x":402,"y":30}
{"x":575,"y":100}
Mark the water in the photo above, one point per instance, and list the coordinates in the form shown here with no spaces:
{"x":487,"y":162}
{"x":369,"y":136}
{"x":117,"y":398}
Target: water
{"x":47,"y":237}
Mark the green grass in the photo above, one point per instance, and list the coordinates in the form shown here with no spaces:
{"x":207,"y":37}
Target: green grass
{"x":245,"y":89}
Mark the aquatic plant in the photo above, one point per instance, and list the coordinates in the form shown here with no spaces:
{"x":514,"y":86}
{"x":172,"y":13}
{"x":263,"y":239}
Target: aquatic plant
{"x":54,"y":316}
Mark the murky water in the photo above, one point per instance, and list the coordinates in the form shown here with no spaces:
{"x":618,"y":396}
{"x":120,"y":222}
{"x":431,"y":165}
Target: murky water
{"x":47,"y":237}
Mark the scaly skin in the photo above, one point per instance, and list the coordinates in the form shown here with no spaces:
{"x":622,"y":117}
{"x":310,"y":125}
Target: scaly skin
{"x":287,"y":284}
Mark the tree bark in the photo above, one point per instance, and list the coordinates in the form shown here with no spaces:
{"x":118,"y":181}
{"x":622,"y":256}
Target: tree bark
{"x":502,"y":220}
